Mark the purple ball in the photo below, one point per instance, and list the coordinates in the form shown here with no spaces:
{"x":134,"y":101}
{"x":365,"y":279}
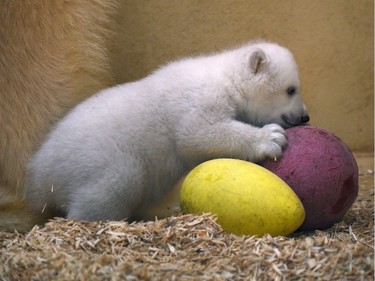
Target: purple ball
{"x":322,"y":171}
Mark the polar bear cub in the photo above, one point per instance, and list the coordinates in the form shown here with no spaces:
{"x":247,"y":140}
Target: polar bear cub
{"x":125,"y":147}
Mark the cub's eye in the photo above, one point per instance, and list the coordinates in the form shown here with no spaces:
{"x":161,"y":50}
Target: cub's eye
{"x":291,"y":91}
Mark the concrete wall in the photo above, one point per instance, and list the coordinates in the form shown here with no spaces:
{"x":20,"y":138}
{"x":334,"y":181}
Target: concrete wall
{"x":332,"y":41}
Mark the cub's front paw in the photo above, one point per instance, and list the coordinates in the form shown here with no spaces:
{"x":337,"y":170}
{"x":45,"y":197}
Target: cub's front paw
{"x":271,"y":141}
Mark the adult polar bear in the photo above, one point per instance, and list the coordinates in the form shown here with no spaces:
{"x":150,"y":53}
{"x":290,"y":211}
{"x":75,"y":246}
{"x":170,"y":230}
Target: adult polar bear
{"x":53,"y":54}
{"x":122,"y":149}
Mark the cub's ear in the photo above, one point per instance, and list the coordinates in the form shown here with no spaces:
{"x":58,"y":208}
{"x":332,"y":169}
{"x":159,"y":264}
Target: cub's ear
{"x":257,"y":60}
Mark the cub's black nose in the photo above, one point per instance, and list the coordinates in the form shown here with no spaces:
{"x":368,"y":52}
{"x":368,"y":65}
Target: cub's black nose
{"x":305,"y":119}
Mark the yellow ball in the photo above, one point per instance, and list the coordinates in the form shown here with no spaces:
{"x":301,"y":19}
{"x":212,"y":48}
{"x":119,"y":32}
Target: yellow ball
{"x":247,"y":198}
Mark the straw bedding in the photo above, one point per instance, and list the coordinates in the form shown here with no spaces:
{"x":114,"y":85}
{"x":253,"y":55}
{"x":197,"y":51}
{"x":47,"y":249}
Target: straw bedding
{"x":193,"y":248}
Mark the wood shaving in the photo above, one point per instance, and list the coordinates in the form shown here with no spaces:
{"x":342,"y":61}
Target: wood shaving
{"x":190,"y":247}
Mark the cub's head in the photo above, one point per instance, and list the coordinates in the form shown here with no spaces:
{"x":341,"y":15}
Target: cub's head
{"x":267,"y":87}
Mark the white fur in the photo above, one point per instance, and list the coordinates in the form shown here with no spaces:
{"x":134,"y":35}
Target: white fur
{"x":126,"y":146}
